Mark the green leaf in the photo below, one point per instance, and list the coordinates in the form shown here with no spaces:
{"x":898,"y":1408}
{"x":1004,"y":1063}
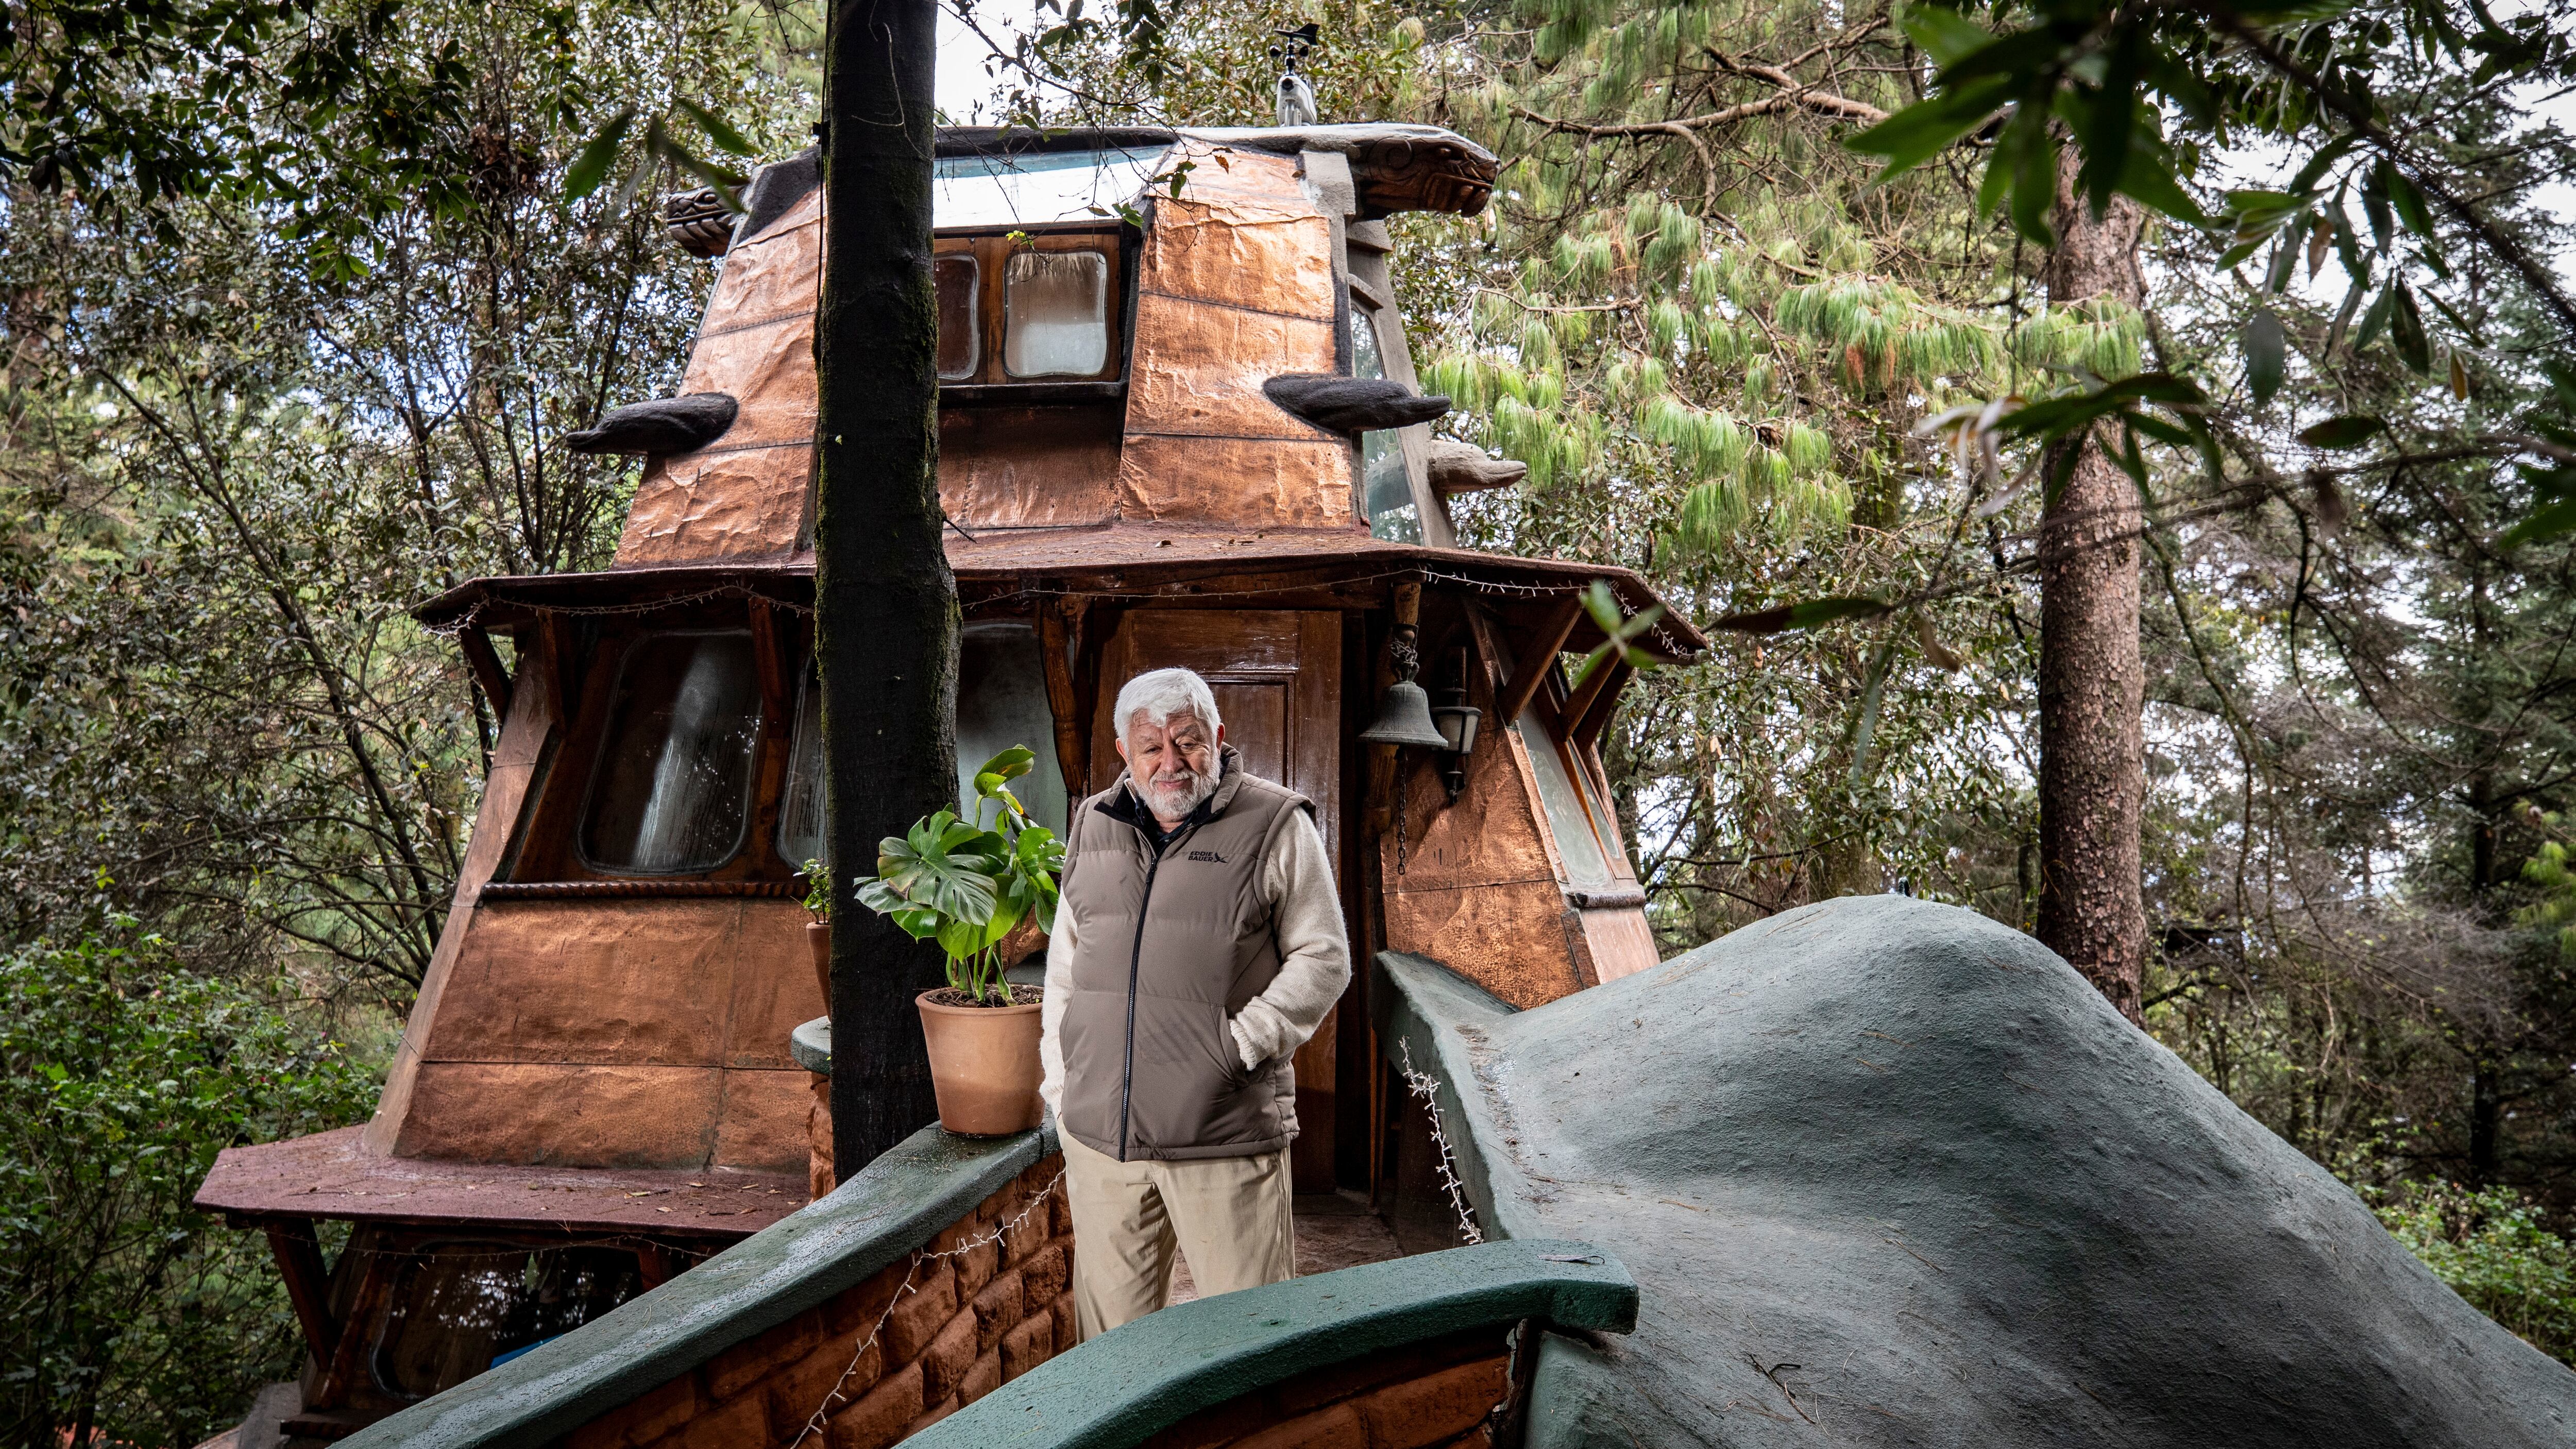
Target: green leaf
{"x":2149,"y":176}
{"x":2548,"y":521}
{"x":2409,"y":204}
{"x":2266,"y":353}
{"x":2406,"y":329}
{"x":1924,"y":129}
{"x":2375,"y":318}
{"x":2349,"y":431}
{"x":2034,"y":193}
{"x":727,"y":139}
{"x":590,"y":167}
{"x":1944,"y":34}
{"x":2326,"y":156}
{"x":1801,"y":616}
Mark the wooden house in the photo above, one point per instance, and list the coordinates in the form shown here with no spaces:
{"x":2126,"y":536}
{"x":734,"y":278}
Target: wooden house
{"x":595,"y":1089}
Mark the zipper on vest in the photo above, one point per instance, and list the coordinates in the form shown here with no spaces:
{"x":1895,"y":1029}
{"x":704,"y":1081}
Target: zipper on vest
{"x":1135,"y":962}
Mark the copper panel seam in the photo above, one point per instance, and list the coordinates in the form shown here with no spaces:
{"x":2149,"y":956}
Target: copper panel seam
{"x":770,"y":321}
{"x":1187,"y":300}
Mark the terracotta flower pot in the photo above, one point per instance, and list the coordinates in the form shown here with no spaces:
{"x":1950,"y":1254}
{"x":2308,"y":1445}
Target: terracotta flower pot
{"x":984,"y":1066}
{"x":818,"y":943}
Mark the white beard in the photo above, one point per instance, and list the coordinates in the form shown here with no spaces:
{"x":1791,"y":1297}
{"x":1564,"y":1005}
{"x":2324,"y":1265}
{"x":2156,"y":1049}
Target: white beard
{"x":1176,"y":800}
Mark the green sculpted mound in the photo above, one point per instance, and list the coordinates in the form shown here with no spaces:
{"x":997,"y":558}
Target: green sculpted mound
{"x":1889,"y":1173}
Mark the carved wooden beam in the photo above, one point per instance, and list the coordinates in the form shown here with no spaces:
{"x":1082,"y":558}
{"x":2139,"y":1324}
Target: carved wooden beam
{"x":1529,"y":666}
{"x":485,"y":661}
{"x":1060,"y":637}
{"x":308,"y":1284}
{"x":1589,"y":712}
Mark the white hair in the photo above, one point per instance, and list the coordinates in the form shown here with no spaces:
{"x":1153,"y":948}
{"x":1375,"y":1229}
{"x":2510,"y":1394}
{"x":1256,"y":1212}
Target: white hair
{"x":1159,"y":694}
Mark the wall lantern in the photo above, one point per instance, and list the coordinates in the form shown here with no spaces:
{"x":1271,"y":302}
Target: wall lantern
{"x":1407,"y":719}
{"x":1457,"y":720}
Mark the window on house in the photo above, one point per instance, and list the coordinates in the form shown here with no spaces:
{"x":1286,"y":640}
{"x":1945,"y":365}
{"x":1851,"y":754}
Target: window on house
{"x":959,"y":281}
{"x":1386,"y":486}
{"x":1001,"y":702}
{"x":673,"y":787}
{"x":800,"y":813}
{"x":1055,"y":308}
{"x":1568,"y":804}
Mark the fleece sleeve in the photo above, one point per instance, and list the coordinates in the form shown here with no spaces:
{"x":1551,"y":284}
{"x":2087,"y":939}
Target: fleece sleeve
{"x":1315,"y":956}
{"x":1059,"y":986}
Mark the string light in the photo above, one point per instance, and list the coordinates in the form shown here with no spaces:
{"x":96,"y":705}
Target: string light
{"x":1427,"y":1087}
{"x":814,"y":1423}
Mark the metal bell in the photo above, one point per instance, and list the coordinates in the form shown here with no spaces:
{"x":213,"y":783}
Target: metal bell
{"x":1404,"y":720}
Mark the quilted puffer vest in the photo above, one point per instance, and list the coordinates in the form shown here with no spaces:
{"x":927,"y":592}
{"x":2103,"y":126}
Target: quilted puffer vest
{"x":1168,"y":945}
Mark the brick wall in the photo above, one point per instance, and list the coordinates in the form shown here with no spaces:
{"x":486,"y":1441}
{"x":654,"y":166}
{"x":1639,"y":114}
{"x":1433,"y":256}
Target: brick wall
{"x":1453,"y":1393}
{"x":987,"y":1300}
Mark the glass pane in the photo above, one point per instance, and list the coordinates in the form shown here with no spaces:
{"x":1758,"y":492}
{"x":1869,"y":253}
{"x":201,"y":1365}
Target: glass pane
{"x":800,"y":814}
{"x":1585,"y":865}
{"x":1055,"y":314}
{"x":1001,"y":702}
{"x":961,"y":344}
{"x":1386,"y":490}
{"x":673,"y":785}
{"x":986,"y":191}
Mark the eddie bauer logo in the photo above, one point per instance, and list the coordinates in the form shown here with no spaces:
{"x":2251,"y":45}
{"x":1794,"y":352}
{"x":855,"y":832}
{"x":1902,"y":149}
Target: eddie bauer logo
{"x":1207,"y":855}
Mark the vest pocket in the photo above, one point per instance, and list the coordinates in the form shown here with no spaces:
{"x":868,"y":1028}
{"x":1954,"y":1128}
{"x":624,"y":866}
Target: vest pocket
{"x":1190,"y":1086}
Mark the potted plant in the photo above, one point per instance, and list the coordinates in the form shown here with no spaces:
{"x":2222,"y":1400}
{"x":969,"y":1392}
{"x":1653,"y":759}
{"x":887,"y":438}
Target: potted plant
{"x":965,"y":878}
{"x":818,"y":931}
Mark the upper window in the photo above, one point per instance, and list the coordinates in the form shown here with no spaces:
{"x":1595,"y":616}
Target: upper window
{"x":1022,"y":308}
{"x":959,"y":282}
{"x":673,"y":788}
{"x":1055,"y":314}
{"x":1037,"y":188}
{"x":1386,"y":487}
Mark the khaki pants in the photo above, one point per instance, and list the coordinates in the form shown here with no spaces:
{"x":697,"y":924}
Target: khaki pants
{"x":1228,"y":1215}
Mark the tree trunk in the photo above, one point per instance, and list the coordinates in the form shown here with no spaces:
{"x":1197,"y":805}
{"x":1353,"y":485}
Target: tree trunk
{"x":2092,"y":757}
{"x":886,"y":626}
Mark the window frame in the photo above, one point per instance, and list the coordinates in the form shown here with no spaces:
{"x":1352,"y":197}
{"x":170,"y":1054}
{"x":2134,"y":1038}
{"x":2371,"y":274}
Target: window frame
{"x":762,"y":729}
{"x":544,"y":847}
{"x":1581,"y":764}
{"x":992,"y":251}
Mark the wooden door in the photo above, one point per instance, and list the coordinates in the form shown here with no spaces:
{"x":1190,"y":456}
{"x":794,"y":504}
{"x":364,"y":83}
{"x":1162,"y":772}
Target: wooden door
{"x":1277,"y":677}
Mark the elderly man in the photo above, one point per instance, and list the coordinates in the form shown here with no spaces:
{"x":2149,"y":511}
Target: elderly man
{"x":1198,"y":945}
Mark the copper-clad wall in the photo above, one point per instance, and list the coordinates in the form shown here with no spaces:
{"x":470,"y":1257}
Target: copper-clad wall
{"x":599,"y":1033}
{"x":619,"y":1033}
{"x":1236,"y":287}
{"x":745,"y":497}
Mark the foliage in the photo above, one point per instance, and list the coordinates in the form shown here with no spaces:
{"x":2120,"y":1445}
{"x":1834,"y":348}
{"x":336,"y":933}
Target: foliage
{"x":2494,"y":1250}
{"x":818,"y":890}
{"x":121,"y":1076}
{"x":967,"y":878}
{"x":231,"y":469}
{"x":2333,"y":85}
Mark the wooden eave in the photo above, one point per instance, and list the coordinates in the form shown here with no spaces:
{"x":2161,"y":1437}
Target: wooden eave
{"x":333,"y":1175}
{"x":1133,"y":563}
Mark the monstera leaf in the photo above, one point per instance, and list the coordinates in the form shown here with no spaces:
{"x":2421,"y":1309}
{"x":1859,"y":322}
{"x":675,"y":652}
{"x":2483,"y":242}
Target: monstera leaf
{"x":942,"y":866}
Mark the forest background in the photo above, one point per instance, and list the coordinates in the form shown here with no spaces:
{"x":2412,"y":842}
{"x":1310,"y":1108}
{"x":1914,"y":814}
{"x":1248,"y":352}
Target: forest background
{"x":249,"y":422}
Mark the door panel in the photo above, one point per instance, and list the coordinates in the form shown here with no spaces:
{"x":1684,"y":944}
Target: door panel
{"x":1276,"y":675}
